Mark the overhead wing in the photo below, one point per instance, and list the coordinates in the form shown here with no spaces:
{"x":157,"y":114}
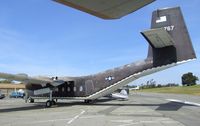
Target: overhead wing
{"x":106,"y":9}
{"x":25,"y":78}
{"x":158,"y":38}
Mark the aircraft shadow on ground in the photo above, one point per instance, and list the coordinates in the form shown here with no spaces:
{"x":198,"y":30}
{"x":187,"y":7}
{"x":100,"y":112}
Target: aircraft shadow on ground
{"x":170,"y":106}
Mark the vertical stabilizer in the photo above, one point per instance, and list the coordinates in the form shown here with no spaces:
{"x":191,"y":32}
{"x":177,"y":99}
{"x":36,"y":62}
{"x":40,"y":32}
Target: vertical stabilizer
{"x":168,"y":38}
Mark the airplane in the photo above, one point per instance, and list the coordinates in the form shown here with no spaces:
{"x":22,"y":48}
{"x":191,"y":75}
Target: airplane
{"x":135,"y":88}
{"x":122,"y":95}
{"x":169,"y":45}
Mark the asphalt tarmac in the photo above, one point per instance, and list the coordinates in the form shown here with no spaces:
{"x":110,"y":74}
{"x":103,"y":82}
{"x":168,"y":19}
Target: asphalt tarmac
{"x":142,"y":109}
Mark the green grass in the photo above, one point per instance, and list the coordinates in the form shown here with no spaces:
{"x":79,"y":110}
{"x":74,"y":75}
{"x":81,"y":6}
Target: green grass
{"x":192,"y":90}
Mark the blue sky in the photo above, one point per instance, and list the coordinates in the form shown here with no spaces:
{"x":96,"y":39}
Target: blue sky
{"x":41,"y":37}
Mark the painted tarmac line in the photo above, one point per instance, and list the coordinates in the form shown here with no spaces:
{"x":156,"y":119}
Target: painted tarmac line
{"x":128,"y":124}
{"x":92,"y":116}
{"x":122,"y":121}
{"x":75,"y":117}
{"x":185,"y":102}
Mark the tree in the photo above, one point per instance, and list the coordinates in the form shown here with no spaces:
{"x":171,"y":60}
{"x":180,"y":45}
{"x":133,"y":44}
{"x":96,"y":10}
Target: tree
{"x":189,"y":79}
{"x":150,"y":84}
{"x":5,"y":81}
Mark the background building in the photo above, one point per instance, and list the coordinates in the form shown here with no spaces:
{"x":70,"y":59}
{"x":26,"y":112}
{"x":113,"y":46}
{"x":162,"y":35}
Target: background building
{"x":8,"y":88}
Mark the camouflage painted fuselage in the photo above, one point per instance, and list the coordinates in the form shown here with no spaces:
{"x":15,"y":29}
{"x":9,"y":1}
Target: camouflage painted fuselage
{"x":159,"y":58}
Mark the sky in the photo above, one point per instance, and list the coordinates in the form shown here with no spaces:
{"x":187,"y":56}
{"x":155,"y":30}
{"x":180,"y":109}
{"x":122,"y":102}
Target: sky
{"x":42,"y":37}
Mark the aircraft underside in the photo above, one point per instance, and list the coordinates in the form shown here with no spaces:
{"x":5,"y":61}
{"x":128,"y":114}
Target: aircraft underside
{"x":81,"y":89}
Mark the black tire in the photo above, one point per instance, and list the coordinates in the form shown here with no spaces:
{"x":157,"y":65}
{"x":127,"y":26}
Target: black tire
{"x":85,"y":101}
{"x":30,"y":100}
{"x":53,"y":102}
{"x":48,"y":103}
{"x":88,"y":101}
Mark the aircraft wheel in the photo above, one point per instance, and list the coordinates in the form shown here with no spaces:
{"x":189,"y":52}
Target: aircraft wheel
{"x":53,"y":102}
{"x":48,"y":103}
{"x":30,"y":100}
{"x":88,"y":101}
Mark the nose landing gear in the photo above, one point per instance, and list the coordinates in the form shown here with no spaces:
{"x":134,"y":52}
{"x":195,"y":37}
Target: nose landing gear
{"x":51,"y":101}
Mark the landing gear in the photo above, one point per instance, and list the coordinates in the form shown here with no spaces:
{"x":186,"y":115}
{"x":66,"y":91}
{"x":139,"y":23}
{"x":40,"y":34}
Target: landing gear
{"x":89,"y":101}
{"x":50,"y":102}
{"x":30,"y":100}
{"x":53,"y":102}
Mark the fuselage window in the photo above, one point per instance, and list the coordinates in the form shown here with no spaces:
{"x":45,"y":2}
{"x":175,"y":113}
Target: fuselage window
{"x":74,"y":89}
{"x":68,"y":89}
{"x":81,"y":88}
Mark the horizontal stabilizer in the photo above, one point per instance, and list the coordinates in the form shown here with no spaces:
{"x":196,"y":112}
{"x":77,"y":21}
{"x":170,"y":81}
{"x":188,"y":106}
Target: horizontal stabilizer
{"x":158,"y":38}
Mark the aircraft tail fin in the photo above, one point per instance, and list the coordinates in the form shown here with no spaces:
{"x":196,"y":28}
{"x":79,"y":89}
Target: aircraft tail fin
{"x":124,"y":92}
{"x":169,"y":38}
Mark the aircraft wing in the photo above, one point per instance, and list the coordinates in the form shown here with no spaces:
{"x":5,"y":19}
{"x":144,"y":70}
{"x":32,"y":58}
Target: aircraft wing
{"x":25,"y":78}
{"x":106,"y":9}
